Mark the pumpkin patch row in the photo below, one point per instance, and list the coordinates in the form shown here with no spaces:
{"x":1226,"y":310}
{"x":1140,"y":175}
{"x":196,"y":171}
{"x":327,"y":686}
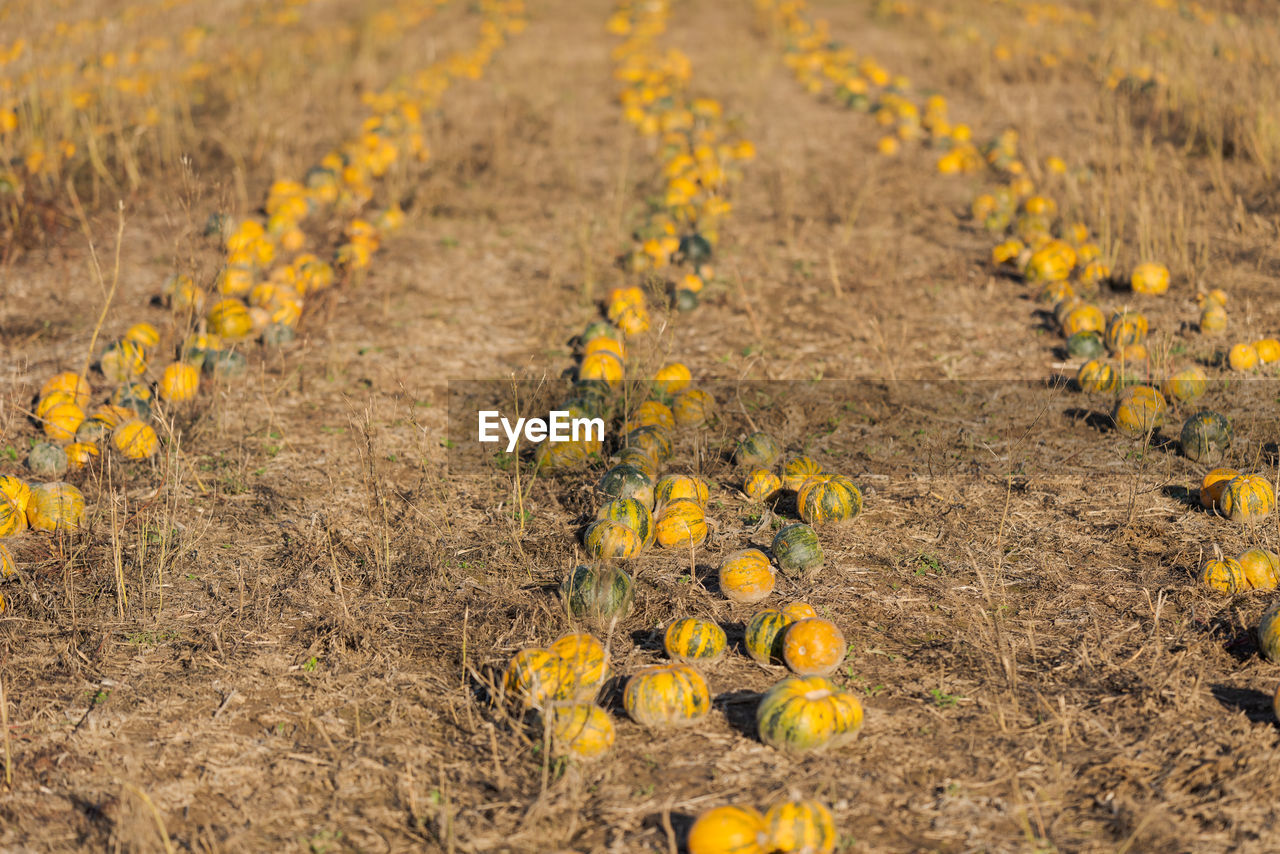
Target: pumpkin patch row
{"x":805,"y":827}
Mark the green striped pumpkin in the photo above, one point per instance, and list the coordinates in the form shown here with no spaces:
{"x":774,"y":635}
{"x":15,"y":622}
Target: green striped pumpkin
{"x":626,"y":481}
{"x":796,"y":550}
{"x":807,"y":713}
{"x":759,"y":450}
{"x":763,"y":635}
{"x":667,"y":695}
{"x":826,"y":499}
{"x":693,"y":640}
{"x":536,"y":677}
{"x":672,"y":487}
{"x":597,"y":592}
{"x":634,"y":514}
{"x":653,"y":440}
{"x":800,"y":826}
{"x":797,"y":470}
{"x":1205,"y":437}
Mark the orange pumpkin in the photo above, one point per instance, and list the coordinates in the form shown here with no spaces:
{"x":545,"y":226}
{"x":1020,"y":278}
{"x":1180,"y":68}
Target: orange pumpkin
{"x":746,"y":576}
{"x":761,"y":485}
{"x":666,"y":696}
{"x":729,"y":830}
{"x":1213,"y":485}
{"x":813,"y":647}
{"x":1261,"y":568}
{"x":682,"y":523}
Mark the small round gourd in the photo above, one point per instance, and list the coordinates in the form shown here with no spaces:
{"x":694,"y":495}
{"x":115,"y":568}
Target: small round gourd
{"x":1213,"y":485}
{"x":536,"y":677}
{"x":813,"y":647}
{"x":581,"y":731}
{"x":799,"y":610}
{"x":180,"y":382}
{"x":763,"y":635}
{"x":1125,"y":328}
{"x":1261,"y":568}
{"x":693,"y":640}
{"x":230,"y":319}
{"x":1205,"y":437}
{"x":143,"y":334}
{"x":654,"y":441}
{"x":803,"y":827}
{"x":1139,"y":410}
{"x":606,"y":539}
{"x":1268,"y":350}
{"x":797,"y":470}
{"x":1185,"y":385}
{"x":827,"y":499}
{"x":682,"y":523}
{"x":693,"y":407}
{"x":46,"y":459}
{"x":599,"y":593}
{"x":601,"y":365}
{"x":599,"y":329}
{"x":672,"y":487}
{"x":801,"y":714}
{"x":761,"y":485}
{"x":1247,"y":498}
{"x":588,"y":663}
{"x":1269,"y":633}
{"x":672,"y":378}
{"x":135,"y":440}
{"x":758,"y":450}
{"x":634,"y":514}
{"x":605,"y":344}
{"x":1242,"y":357}
{"x":61,"y":421}
{"x":1223,"y":575}
{"x":1085,"y":345}
{"x":729,"y":830}
{"x":55,"y":507}
{"x":1083,"y":318}
{"x":651,"y":413}
{"x":797,"y":551}
{"x":1149,"y":278}
{"x":1095,"y":377}
{"x":71,"y":383}
{"x":746,"y":576}
{"x":667,"y":695}
{"x":626,"y":481}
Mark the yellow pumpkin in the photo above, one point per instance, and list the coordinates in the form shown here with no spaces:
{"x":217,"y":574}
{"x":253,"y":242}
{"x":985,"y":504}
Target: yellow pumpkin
{"x":802,"y":827}
{"x":1211,"y":488}
{"x":601,"y":366}
{"x":605,"y":344}
{"x":55,"y":507}
{"x":763,"y":636}
{"x":729,"y":830}
{"x":1247,"y":498}
{"x":13,"y":519}
{"x":828,"y":498}
{"x":1186,"y":385}
{"x":1269,"y":633}
{"x":135,"y":440}
{"x":693,"y":407}
{"x":180,"y":382}
{"x":1261,"y":568}
{"x":672,"y":378}
{"x":1084,"y":318}
{"x":747,"y":576}
{"x":813,"y":647}
{"x":673,"y":487}
{"x":633,"y":513}
{"x":1223,"y":575}
{"x":666,"y":696}
{"x":123,"y":362}
{"x":606,"y":539}
{"x":588,"y":663}
{"x":799,"y":610}
{"x":7,"y":569}
{"x":1268,"y":350}
{"x":693,"y":640}
{"x":802,"y":714}
{"x":62,"y":421}
{"x":1213,"y":320}
{"x":1149,"y":278}
{"x":798,"y":470}
{"x":1139,"y":411}
{"x":682,"y":523}
{"x":1242,"y":357}
{"x":144,"y":335}
{"x":71,"y":383}
{"x":230,"y":319}
{"x":537,"y":677}
{"x":579,"y":730}
{"x":1096,"y":377}
{"x":651,"y":413}
{"x":761,"y":485}
{"x":80,"y":454}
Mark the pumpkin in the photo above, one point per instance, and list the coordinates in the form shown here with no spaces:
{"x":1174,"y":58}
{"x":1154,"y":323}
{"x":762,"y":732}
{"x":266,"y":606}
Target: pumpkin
{"x":1242,"y":357}
{"x":55,"y":507}
{"x":13,"y":519}
{"x":588,"y":662}
{"x":1125,"y":328}
{"x":797,"y":550}
{"x":1268,"y":350}
{"x":813,"y":647}
{"x":763,"y":635}
{"x":230,"y":319}
{"x":801,"y":827}
{"x":693,"y":640}
{"x":606,"y":539}
{"x":1223,"y":575}
{"x":1132,"y":353}
{"x":559,"y":456}
{"x":1185,"y":385}
{"x":1269,"y":633}
{"x":632,"y":513}
{"x":761,"y":485}
{"x":1139,"y":411}
{"x":598,"y":593}
{"x":798,"y":470}
{"x":693,"y":407}
{"x":1051,"y":292}
{"x":537,"y":677}
{"x":1096,"y":377}
{"x":579,"y":730}
{"x":599,"y":329}
{"x":746,"y":576}
{"x":135,"y":397}
{"x":829,"y":499}
{"x":807,"y":713}
{"x":80,"y":454}
{"x":180,"y":382}
{"x":135,"y":440}
{"x":46,"y":459}
{"x":61,"y":422}
{"x":1205,"y":436}
{"x":667,"y":695}
{"x":1085,"y":345}
{"x":101,"y":422}
{"x":682,"y":523}
{"x":224,"y":363}
{"x":1213,"y":320}
{"x":759,"y":450}
{"x":626,"y":481}
{"x":15,"y":490}
{"x":7,"y":569}
{"x":799,"y":610}
{"x":729,"y":830}
{"x":673,"y":487}
{"x":601,"y":366}
{"x":1149,"y":278}
{"x":70,"y":383}
{"x":672,"y":378}
{"x":1211,"y":488}
{"x":639,"y":459}
{"x":1247,"y":498}
{"x":605,"y":344}
{"x":1065,"y":306}
{"x":143,"y":334}
{"x":651,"y":413}
{"x":1261,"y":568}
{"x":123,"y":361}
{"x":1083,"y":318}
{"x":654,"y":441}
{"x":56,"y":398}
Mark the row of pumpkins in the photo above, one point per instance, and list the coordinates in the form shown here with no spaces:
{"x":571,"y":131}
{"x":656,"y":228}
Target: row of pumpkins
{"x":74,"y":426}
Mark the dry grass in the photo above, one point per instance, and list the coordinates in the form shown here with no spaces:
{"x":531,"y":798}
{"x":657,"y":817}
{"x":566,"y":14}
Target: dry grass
{"x":281,"y":636}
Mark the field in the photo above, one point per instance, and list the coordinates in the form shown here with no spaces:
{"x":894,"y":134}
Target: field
{"x":283,"y":620}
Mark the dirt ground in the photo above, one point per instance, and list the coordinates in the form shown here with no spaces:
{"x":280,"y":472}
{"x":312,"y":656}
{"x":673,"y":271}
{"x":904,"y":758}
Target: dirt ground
{"x":319,"y":589}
